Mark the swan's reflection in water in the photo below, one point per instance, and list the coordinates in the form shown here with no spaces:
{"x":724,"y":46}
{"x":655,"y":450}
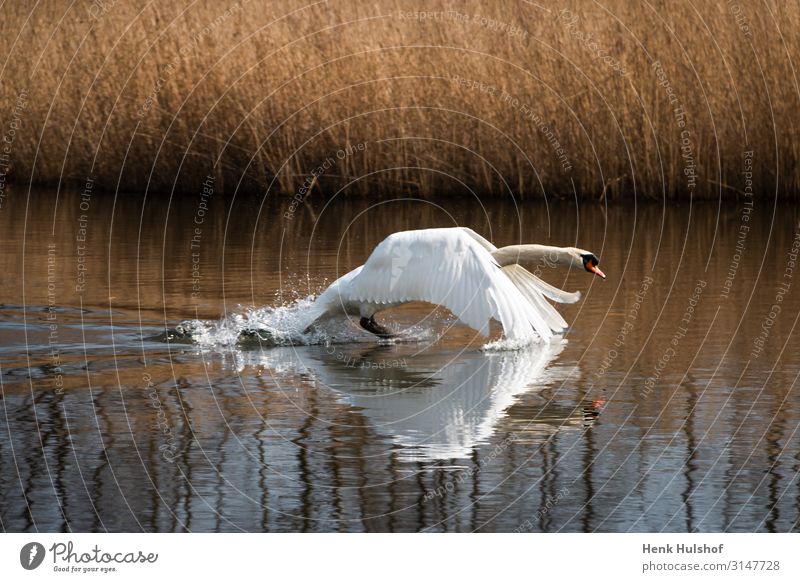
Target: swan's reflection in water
{"x":434,"y":405}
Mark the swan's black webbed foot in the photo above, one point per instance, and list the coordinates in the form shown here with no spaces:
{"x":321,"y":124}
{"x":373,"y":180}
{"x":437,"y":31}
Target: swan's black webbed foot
{"x":373,"y":326}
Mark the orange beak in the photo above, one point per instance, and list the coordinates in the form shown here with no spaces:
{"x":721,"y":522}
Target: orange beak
{"x":595,"y":270}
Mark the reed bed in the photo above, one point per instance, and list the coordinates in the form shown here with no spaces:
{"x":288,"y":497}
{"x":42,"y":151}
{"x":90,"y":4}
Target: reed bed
{"x":612,"y":100}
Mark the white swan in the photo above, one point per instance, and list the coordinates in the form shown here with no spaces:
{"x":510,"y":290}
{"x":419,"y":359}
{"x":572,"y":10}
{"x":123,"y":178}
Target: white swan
{"x":458,"y":269}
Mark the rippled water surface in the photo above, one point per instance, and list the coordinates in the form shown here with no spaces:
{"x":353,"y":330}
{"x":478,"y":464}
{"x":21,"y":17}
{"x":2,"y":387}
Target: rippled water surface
{"x":146,"y":384}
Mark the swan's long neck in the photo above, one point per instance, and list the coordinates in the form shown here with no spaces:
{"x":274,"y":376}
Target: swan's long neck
{"x":534,"y":254}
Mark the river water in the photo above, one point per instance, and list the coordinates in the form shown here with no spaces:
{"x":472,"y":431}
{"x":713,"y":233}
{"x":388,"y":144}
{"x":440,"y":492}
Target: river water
{"x":136,"y":396}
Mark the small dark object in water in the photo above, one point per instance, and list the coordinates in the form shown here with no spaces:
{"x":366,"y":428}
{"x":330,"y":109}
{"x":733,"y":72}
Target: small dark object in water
{"x":178,"y":335}
{"x":252,"y":337}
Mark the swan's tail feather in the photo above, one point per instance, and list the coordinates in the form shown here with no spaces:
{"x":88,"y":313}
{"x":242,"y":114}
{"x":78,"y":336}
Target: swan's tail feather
{"x":532,"y":288}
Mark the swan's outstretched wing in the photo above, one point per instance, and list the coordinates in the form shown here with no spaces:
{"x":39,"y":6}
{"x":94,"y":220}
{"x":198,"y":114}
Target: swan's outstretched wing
{"x":531,"y":280}
{"x":447,"y":266}
{"x":522,"y":279}
{"x":479,"y":239}
{"x":546,"y":289}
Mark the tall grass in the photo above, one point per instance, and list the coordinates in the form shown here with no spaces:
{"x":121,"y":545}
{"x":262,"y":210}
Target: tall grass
{"x":493,"y":97}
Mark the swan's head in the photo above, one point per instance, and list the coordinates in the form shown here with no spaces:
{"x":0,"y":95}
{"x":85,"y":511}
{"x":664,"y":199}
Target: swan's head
{"x":586,"y":260}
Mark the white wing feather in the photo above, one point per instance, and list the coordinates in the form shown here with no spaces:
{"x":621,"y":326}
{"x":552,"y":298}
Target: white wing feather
{"x":522,"y":279}
{"x":544,"y":288}
{"x":447,"y":267}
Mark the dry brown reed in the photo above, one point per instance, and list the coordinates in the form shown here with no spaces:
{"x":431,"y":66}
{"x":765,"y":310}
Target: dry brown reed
{"x":615,"y":99}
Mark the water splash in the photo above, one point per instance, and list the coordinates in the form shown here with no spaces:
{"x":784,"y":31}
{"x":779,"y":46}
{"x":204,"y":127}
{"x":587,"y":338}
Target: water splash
{"x":283,"y":325}
{"x":514,"y":345}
